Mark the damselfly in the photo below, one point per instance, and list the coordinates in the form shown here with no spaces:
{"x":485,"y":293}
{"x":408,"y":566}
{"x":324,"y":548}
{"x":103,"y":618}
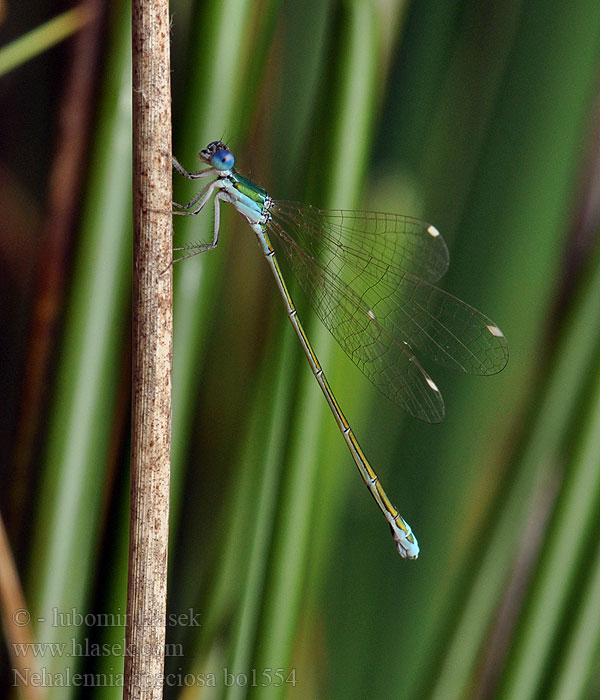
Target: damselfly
{"x":368,"y":276}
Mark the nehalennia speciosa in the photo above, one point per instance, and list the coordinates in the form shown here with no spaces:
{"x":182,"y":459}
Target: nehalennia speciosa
{"x":369,"y":277}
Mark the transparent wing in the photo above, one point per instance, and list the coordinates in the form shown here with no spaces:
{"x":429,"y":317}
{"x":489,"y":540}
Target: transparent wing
{"x":379,"y":312}
{"x":366,"y":238}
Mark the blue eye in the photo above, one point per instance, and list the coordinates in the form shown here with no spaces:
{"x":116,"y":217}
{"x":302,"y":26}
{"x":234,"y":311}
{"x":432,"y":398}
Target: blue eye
{"x":222,"y":160}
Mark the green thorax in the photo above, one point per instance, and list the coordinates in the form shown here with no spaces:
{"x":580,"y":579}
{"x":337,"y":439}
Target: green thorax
{"x":248,"y":188}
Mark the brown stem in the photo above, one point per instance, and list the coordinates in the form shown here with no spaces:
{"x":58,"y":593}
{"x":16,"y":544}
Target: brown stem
{"x":152,"y":349}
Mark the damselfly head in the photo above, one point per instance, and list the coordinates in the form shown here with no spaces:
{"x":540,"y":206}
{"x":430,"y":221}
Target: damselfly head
{"x":218,"y":156}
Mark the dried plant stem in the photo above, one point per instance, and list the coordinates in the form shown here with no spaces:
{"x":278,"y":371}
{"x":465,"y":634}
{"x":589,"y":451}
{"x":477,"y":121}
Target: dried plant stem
{"x":16,"y":625}
{"x":152,"y":350}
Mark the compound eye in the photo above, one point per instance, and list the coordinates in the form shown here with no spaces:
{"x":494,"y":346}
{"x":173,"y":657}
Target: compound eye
{"x":222,"y":160}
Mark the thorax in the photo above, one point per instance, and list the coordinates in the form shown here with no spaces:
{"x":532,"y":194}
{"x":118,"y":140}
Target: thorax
{"x":250,"y":200}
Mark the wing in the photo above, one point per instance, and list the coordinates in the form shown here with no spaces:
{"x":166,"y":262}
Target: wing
{"x":382,"y":314}
{"x":366,"y":238}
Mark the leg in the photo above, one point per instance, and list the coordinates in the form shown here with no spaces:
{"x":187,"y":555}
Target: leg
{"x":198,"y":248}
{"x":191,"y":176}
{"x":204,"y":196}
